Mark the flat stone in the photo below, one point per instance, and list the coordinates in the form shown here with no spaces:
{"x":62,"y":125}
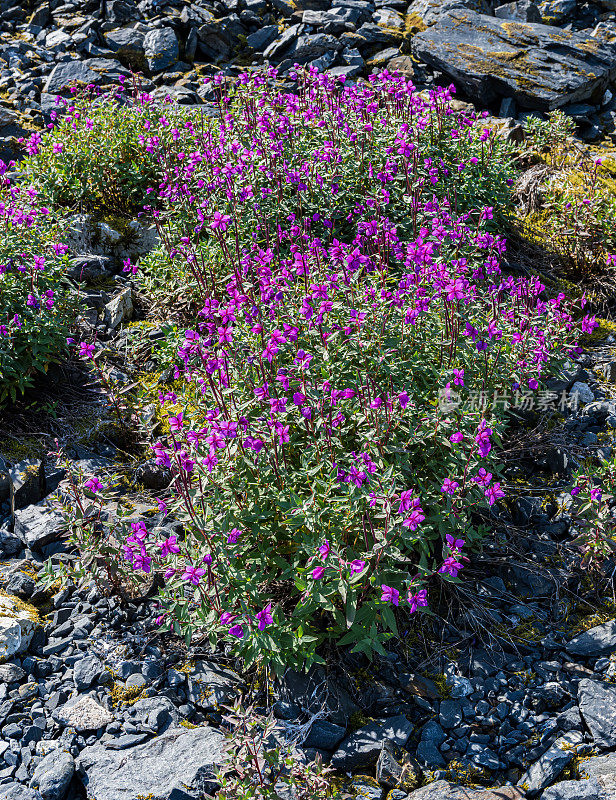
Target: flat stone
{"x":362,"y":747}
{"x":178,"y":759}
{"x":67,"y":74}
{"x":444,"y":790}
{"x":27,"y":483}
{"x":16,"y":791}
{"x":597,"y":703}
{"x":86,"y":672}
{"x":539,"y":66}
{"x":575,"y":790}
{"x":598,"y":641}
{"x":550,"y":764}
{"x":210,"y":686}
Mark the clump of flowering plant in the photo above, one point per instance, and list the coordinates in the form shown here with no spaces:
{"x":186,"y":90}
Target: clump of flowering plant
{"x":36,"y":306}
{"x":341,"y":389}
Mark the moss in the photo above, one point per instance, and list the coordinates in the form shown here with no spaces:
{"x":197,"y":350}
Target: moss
{"x":441,"y":684}
{"x":122,"y":695}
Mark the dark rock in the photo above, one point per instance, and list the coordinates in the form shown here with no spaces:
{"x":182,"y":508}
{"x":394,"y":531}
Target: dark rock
{"x":21,"y":585}
{"x":597,"y":703}
{"x":86,"y":672}
{"x":69,"y":74}
{"x":362,"y":747}
{"x":324,"y":735}
{"x":210,"y":686}
{"x":598,"y":641}
{"x":432,"y":737}
{"x":538,"y":65}
{"x":520,"y":11}
{"x":90,"y":267}
{"x":27,"y":483}
{"x":178,"y":758}
{"x":262,"y":38}
{"x":396,"y":769}
{"x":127,"y":44}
{"x":153,"y":476}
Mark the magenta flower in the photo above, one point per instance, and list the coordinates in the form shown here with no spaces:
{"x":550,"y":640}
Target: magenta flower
{"x":451,"y":566}
{"x":324,"y":549}
{"x":220,"y":221}
{"x":417,"y":600}
{"x":357,"y":566}
{"x":456,"y":437}
{"x":93,"y":484}
{"x":168,"y":546}
{"x":265,"y":617}
{"x":86,"y":350}
{"x":458,"y":377}
{"x":390,"y":595}
{"x":317,"y":573}
{"x":449,"y":486}
{"x":494,"y":493}
{"x":452,"y":543}
{"x":176,"y":423}
{"x":237,"y":631}
{"x":234,"y":536}
{"x":193,"y":574}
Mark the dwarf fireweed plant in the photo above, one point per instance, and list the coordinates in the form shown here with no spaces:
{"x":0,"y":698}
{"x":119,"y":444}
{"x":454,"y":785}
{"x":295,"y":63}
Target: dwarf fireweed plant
{"x":36,"y":306}
{"x":339,"y":395}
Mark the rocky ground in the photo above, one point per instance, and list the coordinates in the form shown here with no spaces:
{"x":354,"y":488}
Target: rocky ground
{"x":521,"y":691}
{"x":514,"y":57}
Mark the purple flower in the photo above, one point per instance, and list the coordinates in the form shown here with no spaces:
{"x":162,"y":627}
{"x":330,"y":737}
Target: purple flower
{"x":93,"y":484}
{"x":456,"y":437}
{"x":193,"y":574}
{"x":417,"y":600}
{"x":357,"y":566}
{"x":176,"y":423}
{"x":317,"y":573}
{"x":86,"y":350}
{"x":494,"y":493}
{"x":454,"y":544}
{"x":449,"y":486}
{"x":237,"y":631}
{"x":168,"y":546}
{"x":390,"y":595}
{"x":265,"y":617}
{"x":451,"y":566}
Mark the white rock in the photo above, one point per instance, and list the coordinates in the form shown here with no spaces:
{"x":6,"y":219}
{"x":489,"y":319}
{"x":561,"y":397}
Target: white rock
{"x":119,"y":309}
{"x":109,"y":236}
{"x":10,"y":637}
{"x":17,"y":626}
{"x":83,"y":713}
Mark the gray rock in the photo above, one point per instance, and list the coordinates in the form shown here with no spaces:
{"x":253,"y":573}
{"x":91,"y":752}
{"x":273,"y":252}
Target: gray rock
{"x":161,"y":48}
{"x":176,"y":759}
{"x":119,"y":309}
{"x":362,"y":747}
{"x":431,"y":11}
{"x":575,"y":790}
{"x":20,"y":585}
{"x":450,"y":715}
{"x":581,"y":393}
{"x":210,"y":686}
{"x":67,"y":74}
{"x":550,"y":764}
{"x":603,"y":770}
{"x":444,"y":790}
{"x":521,"y":11}
{"x":39,"y":525}
{"x":127,"y":44}
{"x":54,"y":774}
{"x":308,"y":47}
{"x":598,"y":641}
{"x":86,"y":672}
{"x":15,"y":791}
{"x":10,"y":673}
{"x":27,"y":483}
{"x":262,"y":38}
{"x":556,"y":11}
{"x":158,"y":713}
{"x":539,"y":66}
{"x":597,"y":703}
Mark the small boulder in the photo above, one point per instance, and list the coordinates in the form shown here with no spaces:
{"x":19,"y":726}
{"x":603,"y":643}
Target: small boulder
{"x":161,"y":48}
